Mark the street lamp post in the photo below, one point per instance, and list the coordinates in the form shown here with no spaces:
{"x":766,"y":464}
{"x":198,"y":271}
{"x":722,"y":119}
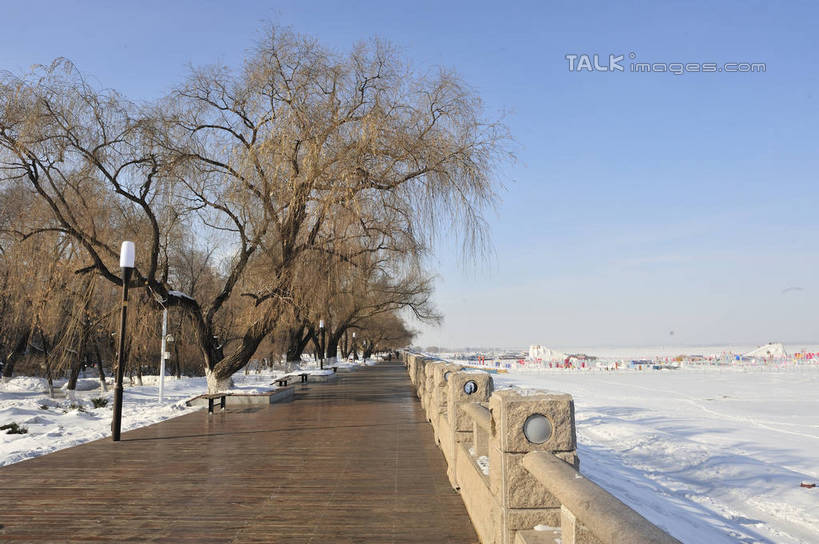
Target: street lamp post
{"x":321,"y":343}
{"x":126,"y":263}
{"x":165,"y":355}
{"x":163,"y":351}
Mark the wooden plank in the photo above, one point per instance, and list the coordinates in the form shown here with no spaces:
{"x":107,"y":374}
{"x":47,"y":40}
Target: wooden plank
{"x":348,"y":461}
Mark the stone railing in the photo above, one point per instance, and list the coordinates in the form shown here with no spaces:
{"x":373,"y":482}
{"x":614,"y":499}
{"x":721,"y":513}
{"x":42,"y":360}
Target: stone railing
{"x":512,"y":455}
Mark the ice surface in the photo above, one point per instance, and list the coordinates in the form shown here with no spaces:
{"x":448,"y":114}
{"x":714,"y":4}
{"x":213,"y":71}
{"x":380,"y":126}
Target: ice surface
{"x":711,"y":455}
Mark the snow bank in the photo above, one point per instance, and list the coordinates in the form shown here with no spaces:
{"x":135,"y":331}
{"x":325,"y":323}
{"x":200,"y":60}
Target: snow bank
{"x":24,"y":384}
{"x":84,"y":385}
{"x":54,"y":424}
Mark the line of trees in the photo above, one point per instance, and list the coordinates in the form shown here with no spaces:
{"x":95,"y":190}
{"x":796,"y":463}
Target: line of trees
{"x":308,"y":185}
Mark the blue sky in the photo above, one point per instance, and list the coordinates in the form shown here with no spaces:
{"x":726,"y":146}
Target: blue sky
{"x":640,"y":203}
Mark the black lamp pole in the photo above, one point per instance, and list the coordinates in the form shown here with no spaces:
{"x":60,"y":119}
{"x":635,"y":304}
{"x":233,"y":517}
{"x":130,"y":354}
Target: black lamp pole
{"x":126,"y":263}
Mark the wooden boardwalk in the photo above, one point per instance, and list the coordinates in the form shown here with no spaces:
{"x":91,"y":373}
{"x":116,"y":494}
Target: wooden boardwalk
{"x":351,"y":461}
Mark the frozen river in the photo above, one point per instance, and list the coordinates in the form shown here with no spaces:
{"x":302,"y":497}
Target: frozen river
{"x":712,"y":455}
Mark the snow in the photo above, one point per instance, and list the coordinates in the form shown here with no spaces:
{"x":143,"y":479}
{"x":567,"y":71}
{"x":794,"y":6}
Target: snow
{"x":25,"y":384}
{"x":353,"y":364}
{"x":180,"y":294}
{"x":483,"y":463}
{"x":711,"y":455}
{"x":84,"y":385}
{"x":54,"y":424}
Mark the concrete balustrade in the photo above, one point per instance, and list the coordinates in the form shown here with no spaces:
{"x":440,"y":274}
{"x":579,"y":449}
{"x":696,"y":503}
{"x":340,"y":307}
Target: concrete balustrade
{"x":512,"y":455}
{"x":463,"y":387}
{"x":604,"y":515}
{"x":526,"y":502}
{"x":439,"y":395}
{"x":481,"y":427}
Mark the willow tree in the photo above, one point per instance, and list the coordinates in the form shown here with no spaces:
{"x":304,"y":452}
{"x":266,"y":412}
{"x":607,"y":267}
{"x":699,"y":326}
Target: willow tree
{"x":384,"y":332}
{"x":86,"y":156}
{"x":286,"y":158}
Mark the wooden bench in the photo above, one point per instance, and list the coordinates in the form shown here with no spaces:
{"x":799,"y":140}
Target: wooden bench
{"x":213,"y":396}
{"x":284,"y":379}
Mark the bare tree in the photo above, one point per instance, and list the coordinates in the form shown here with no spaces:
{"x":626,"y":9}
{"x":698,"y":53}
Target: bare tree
{"x":384,"y":332}
{"x":302,"y":154}
{"x":305,"y":149}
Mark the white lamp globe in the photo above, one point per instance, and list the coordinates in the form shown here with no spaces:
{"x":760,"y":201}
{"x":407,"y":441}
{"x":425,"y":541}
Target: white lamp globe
{"x":126,"y":255}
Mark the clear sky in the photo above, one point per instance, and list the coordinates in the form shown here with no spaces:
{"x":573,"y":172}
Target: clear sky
{"x":640,"y":204}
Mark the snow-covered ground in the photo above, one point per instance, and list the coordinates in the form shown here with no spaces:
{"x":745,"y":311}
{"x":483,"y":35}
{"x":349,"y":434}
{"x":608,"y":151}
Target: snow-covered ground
{"x":711,"y":455}
{"x":54,"y":424}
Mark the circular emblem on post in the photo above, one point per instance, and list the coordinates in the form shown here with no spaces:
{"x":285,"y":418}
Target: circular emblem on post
{"x":537,"y":429}
{"x":446,"y":375}
{"x":470,"y":387}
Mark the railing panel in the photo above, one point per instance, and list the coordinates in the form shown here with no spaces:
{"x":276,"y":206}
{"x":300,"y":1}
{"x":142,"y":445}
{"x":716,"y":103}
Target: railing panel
{"x":609,"y":519}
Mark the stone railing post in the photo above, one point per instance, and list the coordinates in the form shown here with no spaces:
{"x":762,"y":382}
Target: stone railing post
{"x":429,"y":387}
{"x":525,"y":421}
{"x":464,"y":386}
{"x":438,"y":396}
{"x":411,"y":362}
{"x":420,"y":376}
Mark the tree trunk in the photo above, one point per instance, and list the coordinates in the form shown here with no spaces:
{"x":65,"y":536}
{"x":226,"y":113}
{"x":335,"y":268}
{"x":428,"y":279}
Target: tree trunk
{"x":222,"y":367}
{"x":293,"y":354}
{"x":177,"y":361}
{"x":220,"y":375}
{"x":73,"y":375}
{"x":49,"y":376}
{"x":76,"y":363}
{"x":345,"y":346}
{"x":18,"y":351}
{"x":332,"y":349}
{"x":103,"y":387}
{"x":84,"y":329}
{"x":216,"y":383}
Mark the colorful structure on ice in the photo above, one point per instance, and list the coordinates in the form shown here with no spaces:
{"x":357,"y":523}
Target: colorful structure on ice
{"x":768,"y":351}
